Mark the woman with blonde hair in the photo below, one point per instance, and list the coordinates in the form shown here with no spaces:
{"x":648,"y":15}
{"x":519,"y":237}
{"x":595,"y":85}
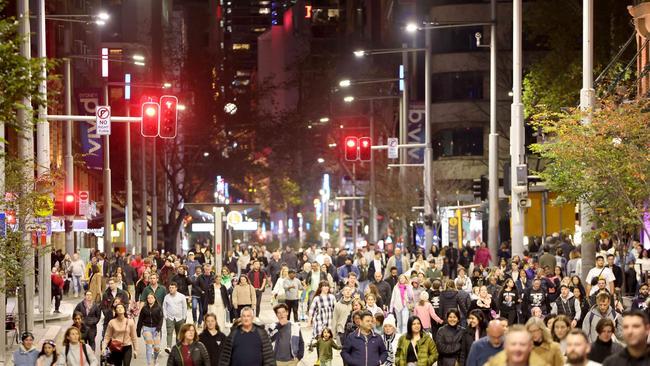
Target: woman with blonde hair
{"x":543,"y":345}
{"x":278,"y":289}
{"x":402,"y":302}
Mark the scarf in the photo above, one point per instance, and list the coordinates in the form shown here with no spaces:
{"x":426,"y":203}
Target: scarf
{"x":402,"y":292}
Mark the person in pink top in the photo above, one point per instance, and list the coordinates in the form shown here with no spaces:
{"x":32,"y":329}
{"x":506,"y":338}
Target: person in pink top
{"x":424,"y":310}
{"x":482,"y":256}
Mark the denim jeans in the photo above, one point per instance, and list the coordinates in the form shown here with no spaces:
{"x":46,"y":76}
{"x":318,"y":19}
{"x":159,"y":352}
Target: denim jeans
{"x":152,"y":343}
{"x":76,"y":285}
{"x":402,"y":319}
{"x":197,"y":312}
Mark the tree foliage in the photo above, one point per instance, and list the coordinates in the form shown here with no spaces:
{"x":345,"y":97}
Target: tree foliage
{"x":19,"y":80}
{"x":604,"y":163}
{"x":553,"y":80}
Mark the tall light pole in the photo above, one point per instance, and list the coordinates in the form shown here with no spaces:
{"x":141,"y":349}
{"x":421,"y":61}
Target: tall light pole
{"x":587,"y":96}
{"x":43,"y":159}
{"x":428,"y":150}
{"x":517,"y":152}
{"x":493,"y":143}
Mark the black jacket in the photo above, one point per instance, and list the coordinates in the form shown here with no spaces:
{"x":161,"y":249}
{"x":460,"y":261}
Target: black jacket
{"x":214,"y":344}
{"x":107,"y":299}
{"x":224,"y":296}
{"x":385,"y":291}
{"x":468,"y":338}
{"x":150,"y":316}
{"x":182,"y":284}
{"x":199,"y":353}
{"x":601,"y":350}
{"x":91,"y":318}
{"x":203,"y":283}
{"x":268,"y":357}
{"x":449,"y":343}
{"x":451,"y":300}
{"x":624,"y":358}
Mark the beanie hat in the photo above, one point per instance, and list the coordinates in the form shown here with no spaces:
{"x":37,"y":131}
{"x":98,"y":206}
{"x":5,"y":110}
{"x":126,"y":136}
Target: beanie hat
{"x":390,"y":320}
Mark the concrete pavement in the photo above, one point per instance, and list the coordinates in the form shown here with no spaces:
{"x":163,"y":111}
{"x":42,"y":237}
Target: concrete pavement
{"x":55,"y":328}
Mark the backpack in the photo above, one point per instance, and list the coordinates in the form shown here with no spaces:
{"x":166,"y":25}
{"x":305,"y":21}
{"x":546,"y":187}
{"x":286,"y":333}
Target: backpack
{"x":67,"y":349}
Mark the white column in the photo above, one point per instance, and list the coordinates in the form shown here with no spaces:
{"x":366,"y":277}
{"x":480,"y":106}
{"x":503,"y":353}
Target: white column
{"x":493,"y":144}
{"x":428,"y":150}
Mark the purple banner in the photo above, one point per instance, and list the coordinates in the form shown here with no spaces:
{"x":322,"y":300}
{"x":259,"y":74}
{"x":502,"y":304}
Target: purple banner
{"x":91,"y":143}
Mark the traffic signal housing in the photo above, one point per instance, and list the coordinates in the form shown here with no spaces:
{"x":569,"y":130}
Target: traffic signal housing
{"x":168,"y":116}
{"x":351,"y":148}
{"x":150,"y":119}
{"x":69,"y":204}
{"x":365,"y":149}
{"x":480,"y":187}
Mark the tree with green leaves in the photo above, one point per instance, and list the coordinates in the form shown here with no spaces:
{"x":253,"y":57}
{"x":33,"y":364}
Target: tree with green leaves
{"x":19,"y":80}
{"x":604,"y":163}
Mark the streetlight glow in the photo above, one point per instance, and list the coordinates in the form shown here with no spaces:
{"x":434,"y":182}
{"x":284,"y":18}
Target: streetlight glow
{"x":100,"y":22}
{"x":180,"y":107}
{"x":324,"y":119}
{"x":138,"y":58}
{"x":103,"y":16}
{"x":345,"y":83}
{"x":139,"y":63}
{"x":167,"y":85}
{"x":320,"y":160}
{"x":348,"y":99}
{"x":411,"y":27}
{"x":360,"y":53}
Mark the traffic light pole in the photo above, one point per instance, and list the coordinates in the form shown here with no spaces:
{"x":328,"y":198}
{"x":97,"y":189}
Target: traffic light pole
{"x":129,"y":186}
{"x":143,"y":197}
{"x":68,"y":157}
{"x":355,"y":234}
{"x":374,"y":230}
{"x":108,"y":206}
{"x":154,"y":198}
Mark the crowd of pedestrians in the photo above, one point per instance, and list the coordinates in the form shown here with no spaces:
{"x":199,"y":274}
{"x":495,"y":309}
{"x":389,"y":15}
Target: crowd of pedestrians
{"x":374,"y":306}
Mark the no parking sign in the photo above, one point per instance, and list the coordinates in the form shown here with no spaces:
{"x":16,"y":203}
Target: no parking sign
{"x":103,"y":119}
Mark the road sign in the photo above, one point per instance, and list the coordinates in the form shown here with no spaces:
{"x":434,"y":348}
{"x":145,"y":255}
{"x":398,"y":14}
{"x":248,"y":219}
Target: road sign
{"x":103,"y":119}
{"x":44,"y":206}
{"x":233,"y":218}
{"x":393,"y":151}
{"x":84,"y":203}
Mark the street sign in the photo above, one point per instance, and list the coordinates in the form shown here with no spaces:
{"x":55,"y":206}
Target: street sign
{"x":233,"y":218}
{"x":393,"y":151}
{"x":103,"y":119}
{"x":43,"y":206}
{"x":84,"y":203}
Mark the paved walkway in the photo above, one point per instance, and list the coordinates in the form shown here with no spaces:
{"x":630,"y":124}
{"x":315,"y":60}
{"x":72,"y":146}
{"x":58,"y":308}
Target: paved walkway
{"x":55,"y":328}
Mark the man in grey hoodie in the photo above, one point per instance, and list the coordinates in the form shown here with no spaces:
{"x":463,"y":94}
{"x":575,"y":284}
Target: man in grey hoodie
{"x":602,"y":310}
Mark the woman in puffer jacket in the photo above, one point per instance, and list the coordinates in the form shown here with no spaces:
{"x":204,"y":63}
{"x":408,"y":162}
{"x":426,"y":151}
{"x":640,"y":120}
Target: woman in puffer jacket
{"x":188,"y":343}
{"x":449,"y":340}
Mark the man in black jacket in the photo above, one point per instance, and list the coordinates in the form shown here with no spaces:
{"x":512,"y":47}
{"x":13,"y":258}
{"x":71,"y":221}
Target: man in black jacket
{"x":385,"y":291}
{"x":91,"y":312}
{"x":181,"y":280}
{"x":247,"y":343}
{"x":534,"y":297}
{"x":204,"y":285}
{"x":636,"y":328}
{"x":111,"y":293}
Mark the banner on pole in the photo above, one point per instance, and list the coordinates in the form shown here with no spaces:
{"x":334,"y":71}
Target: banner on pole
{"x":91,"y":144}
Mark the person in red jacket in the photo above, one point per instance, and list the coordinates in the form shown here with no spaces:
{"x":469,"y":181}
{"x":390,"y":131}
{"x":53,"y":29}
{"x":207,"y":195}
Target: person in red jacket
{"x":482,"y":256}
{"x":57,"y":288}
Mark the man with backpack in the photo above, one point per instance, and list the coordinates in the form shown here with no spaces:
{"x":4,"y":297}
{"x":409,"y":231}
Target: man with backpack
{"x":601,"y":310}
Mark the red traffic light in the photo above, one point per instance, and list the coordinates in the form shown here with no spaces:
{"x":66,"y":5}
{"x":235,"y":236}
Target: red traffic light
{"x":365,"y":149}
{"x":168,"y":116}
{"x":351,"y":148}
{"x":69,"y":204}
{"x":150,"y":119}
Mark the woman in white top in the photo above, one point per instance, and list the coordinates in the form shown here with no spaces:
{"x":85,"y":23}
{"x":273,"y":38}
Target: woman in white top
{"x":278,"y":289}
{"x":220,"y":303}
{"x":74,"y":350}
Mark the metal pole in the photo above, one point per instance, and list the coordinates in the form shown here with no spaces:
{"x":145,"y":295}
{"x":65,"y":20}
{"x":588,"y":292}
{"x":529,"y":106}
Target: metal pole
{"x":154,"y":199}
{"x":341,"y":224}
{"x":493,"y":144}
{"x":587,"y":96}
{"x":143,"y":197}
{"x":544,"y":220}
{"x":218,"y":239}
{"x":354,"y":207}
{"x":428,"y":150}
{"x":129,"y":186}
{"x":68,"y":159}
{"x":517,"y":131}
{"x":108,"y":206}
{"x":43,"y":159}
{"x":374,"y":230}
{"x":403,"y":131}
{"x":26,"y":155}
{"x":3,"y":296}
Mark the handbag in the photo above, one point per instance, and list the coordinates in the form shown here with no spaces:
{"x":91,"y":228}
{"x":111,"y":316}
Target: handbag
{"x":115,"y":345}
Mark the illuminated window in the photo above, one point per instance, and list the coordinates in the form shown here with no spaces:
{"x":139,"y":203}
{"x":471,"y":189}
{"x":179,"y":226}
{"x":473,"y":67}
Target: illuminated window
{"x":241,"y":46}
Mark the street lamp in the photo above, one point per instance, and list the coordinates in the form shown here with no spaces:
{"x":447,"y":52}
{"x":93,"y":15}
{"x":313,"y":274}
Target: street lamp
{"x":137,"y":57}
{"x":348,"y":99}
{"x":411,"y":27}
{"x":320,"y":160}
{"x":347,"y":82}
{"x":359,"y":53}
{"x":324,"y":119}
